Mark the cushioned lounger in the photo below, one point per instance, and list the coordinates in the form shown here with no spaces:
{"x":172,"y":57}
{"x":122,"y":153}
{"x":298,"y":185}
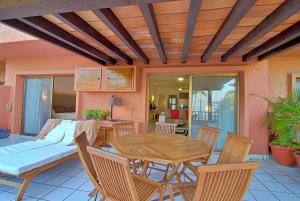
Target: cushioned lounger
{"x":23,"y":147}
{"x":28,"y":159}
{"x":31,"y":159}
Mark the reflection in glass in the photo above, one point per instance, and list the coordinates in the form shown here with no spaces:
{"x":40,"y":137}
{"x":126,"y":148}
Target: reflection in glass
{"x":214,"y":104}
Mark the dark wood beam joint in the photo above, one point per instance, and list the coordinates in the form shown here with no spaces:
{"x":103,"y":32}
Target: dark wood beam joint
{"x":282,"y":13}
{"x":113,"y":23}
{"x":281,"y":38}
{"x":190,"y":26}
{"x":23,"y":27}
{"x":150,"y":18}
{"x":52,"y":29}
{"x":19,"y":9}
{"x":77,"y":23}
{"x":289,"y":45}
{"x":239,"y":10}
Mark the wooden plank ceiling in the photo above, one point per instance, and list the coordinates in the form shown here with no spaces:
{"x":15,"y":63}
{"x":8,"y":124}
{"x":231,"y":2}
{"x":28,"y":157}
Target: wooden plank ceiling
{"x":207,"y":29}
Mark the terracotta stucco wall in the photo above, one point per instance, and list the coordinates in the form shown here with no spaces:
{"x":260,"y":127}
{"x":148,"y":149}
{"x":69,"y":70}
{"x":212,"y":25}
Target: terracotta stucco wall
{"x":253,"y":79}
{"x":2,"y":71}
{"x":5,"y":95}
{"x":256,"y":83}
{"x":279,"y":70}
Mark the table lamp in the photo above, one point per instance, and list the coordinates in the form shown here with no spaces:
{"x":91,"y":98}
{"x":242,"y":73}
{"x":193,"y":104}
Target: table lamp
{"x":114,"y":101}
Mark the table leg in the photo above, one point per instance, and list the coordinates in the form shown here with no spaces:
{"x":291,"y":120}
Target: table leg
{"x":175,"y":168}
{"x":145,"y":168}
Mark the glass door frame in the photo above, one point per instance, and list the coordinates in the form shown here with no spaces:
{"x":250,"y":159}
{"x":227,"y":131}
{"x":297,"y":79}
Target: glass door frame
{"x":238,"y":93}
{"x":23,"y":99}
{"x":237,"y":97}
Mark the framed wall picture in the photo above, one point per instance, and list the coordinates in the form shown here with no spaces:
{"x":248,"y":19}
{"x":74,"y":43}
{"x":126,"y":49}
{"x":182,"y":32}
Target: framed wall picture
{"x":120,"y":78}
{"x":88,"y":79}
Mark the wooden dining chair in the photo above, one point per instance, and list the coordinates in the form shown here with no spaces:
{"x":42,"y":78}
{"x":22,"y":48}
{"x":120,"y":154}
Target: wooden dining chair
{"x":236,"y":149}
{"x":81,"y":142}
{"x":217,"y":183}
{"x":209,"y":137}
{"x":121,"y":129}
{"x":162,"y":128}
{"x":118,"y":183}
{"x":165,"y":128}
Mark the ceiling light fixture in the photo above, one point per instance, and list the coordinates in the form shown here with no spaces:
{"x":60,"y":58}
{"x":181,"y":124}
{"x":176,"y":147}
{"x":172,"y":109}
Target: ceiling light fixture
{"x":180,"y":79}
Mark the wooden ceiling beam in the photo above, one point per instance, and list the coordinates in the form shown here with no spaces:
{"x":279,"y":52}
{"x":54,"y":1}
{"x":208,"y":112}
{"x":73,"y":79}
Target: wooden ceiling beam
{"x":282,"y":13}
{"x":286,"y":46}
{"x":150,"y":18}
{"x":77,"y":23}
{"x":239,"y":10}
{"x":281,"y":38}
{"x":190,"y":26}
{"x":21,"y":26}
{"x":113,"y":23}
{"x":21,"y":9}
{"x":52,"y":29}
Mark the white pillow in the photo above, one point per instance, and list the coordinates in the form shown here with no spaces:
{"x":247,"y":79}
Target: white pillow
{"x":69,"y":133}
{"x":57,"y":133}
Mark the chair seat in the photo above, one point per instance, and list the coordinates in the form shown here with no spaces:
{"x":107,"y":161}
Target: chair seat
{"x":145,"y":188}
{"x":187,"y":190}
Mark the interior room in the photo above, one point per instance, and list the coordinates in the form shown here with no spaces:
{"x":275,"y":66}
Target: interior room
{"x":64,"y":98}
{"x":169,"y":101}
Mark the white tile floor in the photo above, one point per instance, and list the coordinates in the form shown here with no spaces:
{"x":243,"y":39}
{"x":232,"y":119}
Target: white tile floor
{"x":69,"y":182}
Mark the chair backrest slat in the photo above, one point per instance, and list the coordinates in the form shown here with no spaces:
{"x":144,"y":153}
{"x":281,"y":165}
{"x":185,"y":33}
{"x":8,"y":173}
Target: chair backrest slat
{"x":121,"y":129}
{"x":236,"y":149}
{"x":81,"y":142}
{"x":114,"y":175}
{"x":165,"y":128}
{"x":209,"y":136}
{"x":224,"y":181}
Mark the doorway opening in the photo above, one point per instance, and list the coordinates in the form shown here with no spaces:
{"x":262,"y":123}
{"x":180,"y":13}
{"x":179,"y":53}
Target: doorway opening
{"x":169,"y":101}
{"x":45,"y":98}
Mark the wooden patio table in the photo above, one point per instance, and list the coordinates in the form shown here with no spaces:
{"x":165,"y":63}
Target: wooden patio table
{"x":160,"y":148}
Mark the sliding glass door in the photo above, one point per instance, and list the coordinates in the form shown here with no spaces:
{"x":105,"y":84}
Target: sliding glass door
{"x":214,"y":104}
{"x":37,"y":104}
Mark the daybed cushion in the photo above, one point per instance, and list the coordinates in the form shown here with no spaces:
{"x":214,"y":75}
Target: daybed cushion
{"x":69,"y":133}
{"x":57,"y":133}
{"x":49,"y":125}
{"x":17,"y":163}
{"x":24,"y":146}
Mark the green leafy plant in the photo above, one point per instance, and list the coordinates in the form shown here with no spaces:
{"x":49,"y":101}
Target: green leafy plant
{"x":284,"y":120}
{"x":96,"y":114}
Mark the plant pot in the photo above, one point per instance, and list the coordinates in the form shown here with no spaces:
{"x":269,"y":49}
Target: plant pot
{"x":297,"y":157}
{"x":283,"y":155}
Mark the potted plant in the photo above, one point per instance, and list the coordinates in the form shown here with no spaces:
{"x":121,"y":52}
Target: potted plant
{"x":284,"y":120}
{"x":96,"y":114}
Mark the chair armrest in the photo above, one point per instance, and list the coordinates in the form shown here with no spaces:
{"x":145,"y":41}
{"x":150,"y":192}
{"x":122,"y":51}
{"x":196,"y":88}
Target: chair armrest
{"x":143,"y":179}
{"x":180,"y":187}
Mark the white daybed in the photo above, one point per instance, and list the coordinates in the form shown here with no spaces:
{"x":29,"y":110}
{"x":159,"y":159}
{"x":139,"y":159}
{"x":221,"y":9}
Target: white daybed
{"x":28,"y":159}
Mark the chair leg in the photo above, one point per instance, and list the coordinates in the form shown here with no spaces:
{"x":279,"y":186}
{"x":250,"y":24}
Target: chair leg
{"x":145,"y":168}
{"x":166,"y":173}
{"x":171,"y":191}
{"x":96,"y":195}
{"x":23,"y":188}
{"x":188,"y":177}
{"x":162,"y":194}
{"x":93,"y":192}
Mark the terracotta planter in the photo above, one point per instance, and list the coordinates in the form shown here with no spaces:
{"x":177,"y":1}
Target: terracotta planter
{"x":297,"y":157}
{"x":283,"y":155}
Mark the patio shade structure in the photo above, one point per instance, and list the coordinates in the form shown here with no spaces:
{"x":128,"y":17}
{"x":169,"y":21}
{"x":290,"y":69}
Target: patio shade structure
{"x":116,"y":31}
